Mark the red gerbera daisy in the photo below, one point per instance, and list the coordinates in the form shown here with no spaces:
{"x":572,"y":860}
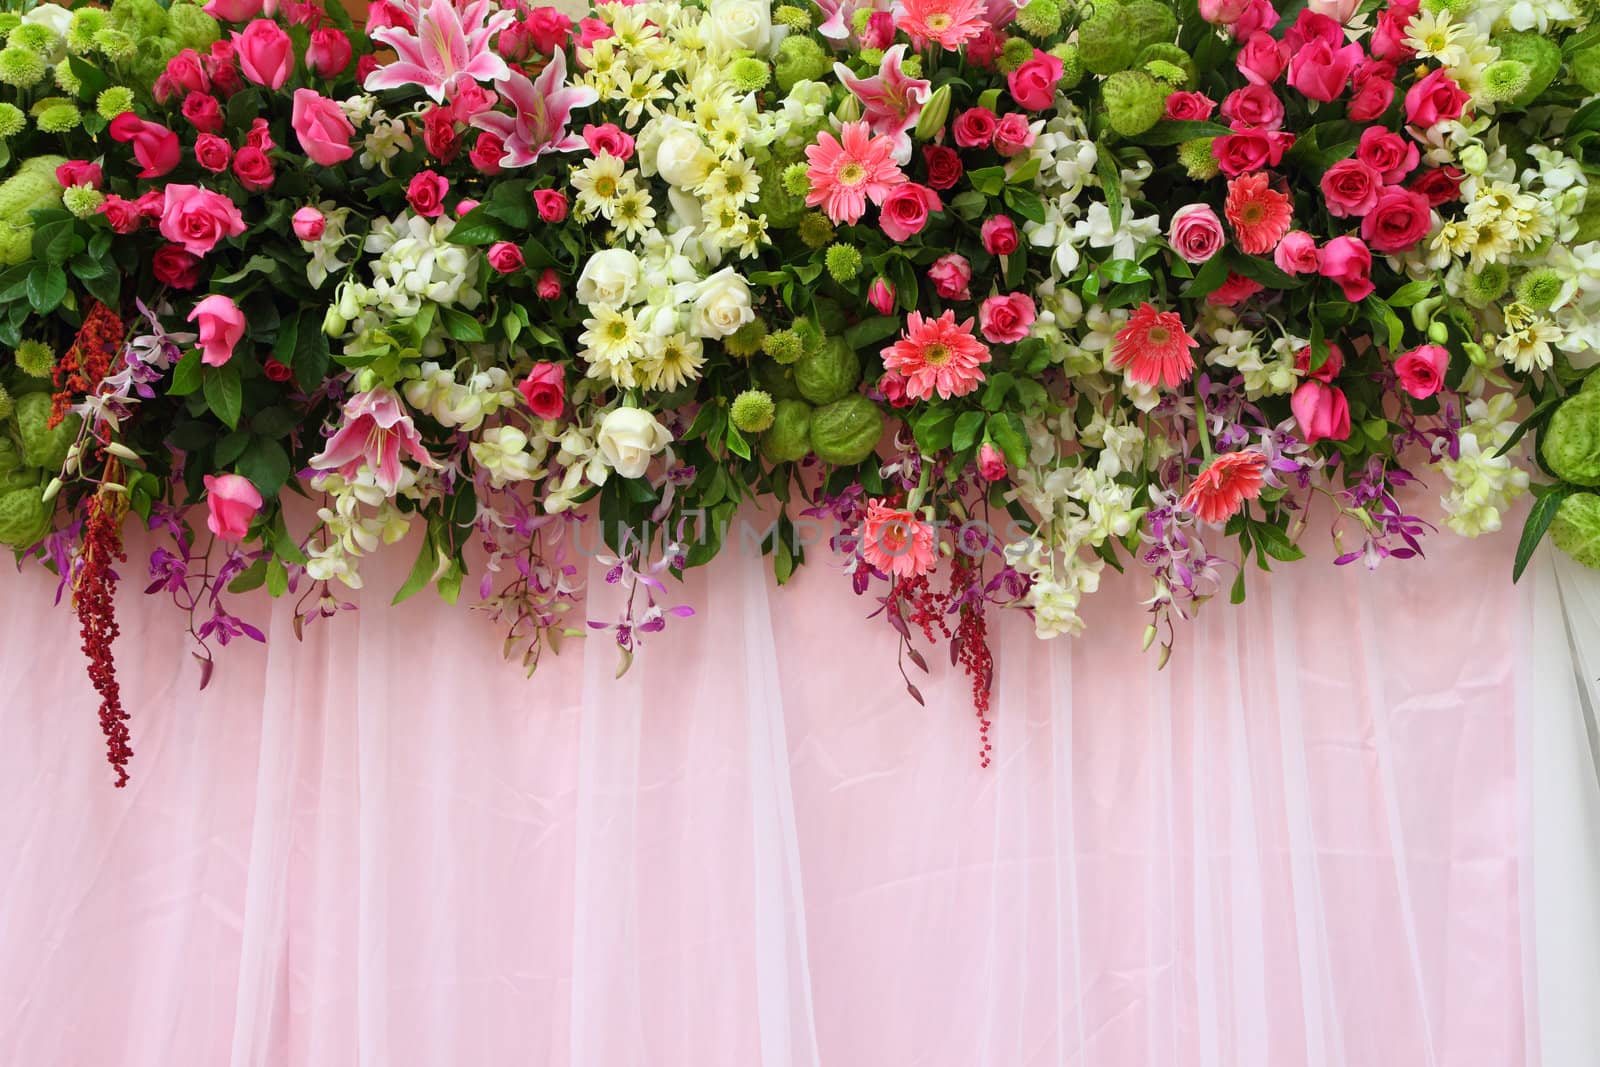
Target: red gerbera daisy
{"x":1155,"y":347}
{"x":1259,"y":213}
{"x":1221,"y":489}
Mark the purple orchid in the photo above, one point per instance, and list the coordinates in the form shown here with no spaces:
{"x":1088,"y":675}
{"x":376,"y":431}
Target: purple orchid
{"x":891,"y":100}
{"x":543,"y":106}
{"x":448,"y":47}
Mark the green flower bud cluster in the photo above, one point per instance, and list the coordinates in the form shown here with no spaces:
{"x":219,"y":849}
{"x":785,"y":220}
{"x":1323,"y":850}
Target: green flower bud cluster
{"x":1540,"y":287}
{"x":1486,"y":285}
{"x":1505,"y":79}
{"x":843,"y":262}
{"x":815,"y":230}
{"x":21,"y":68}
{"x":1016,"y":52}
{"x":749,"y":74}
{"x":1576,"y":527}
{"x":114,"y":101}
{"x":35,"y":359}
{"x":746,"y":340}
{"x":795,"y":18}
{"x":1198,"y":159}
{"x":1040,"y":18}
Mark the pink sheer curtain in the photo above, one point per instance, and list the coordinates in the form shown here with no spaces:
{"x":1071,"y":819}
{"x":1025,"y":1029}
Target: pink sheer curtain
{"x":1307,"y":842}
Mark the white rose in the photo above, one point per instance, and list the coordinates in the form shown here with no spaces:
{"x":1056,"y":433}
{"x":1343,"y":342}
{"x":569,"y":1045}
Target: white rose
{"x":54,"y":16}
{"x":721,"y":305}
{"x":609,"y":277}
{"x":739,"y":25}
{"x":682,"y":158}
{"x":628,"y":438}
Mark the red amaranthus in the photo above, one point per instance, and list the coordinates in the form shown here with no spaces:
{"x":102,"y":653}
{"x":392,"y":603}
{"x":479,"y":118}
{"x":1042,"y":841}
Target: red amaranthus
{"x":88,"y":361}
{"x":94,"y":600}
{"x":927,"y":609}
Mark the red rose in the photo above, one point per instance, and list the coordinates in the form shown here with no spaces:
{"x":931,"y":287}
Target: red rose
{"x":545,"y":390}
{"x":1262,"y":59}
{"x":487,"y":152}
{"x":1033,"y":85}
{"x":203,"y":112}
{"x":548,"y":27}
{"x":999,"y":236}
{"x":152,"y":205}
{"x":505,"y":257}
{"x":329,"y":53}
{"x":123,"y":215}
{"x":983,"y":49}
{"x":439,"y":133}
{"x":1189,"y":107}
{"x":155,"y":147}
{"x":549,"y":286}
{"x":277,"y":372}
{"x":253,"y":169}
{"x":1440,"y":185}
{"x":944,"y":165}
{"x":471,"y":100}
{"x":1398,"y":222}
{"x":552,"y":204}
{"x":185,"y":73}
{"x":1371,"y":99}
{"x":1246,"y":150}
{"x":426,"y":194}
{"x":1388,"y":153}
{"x":610,"y":139}
{"x":175,"y":267}
{"x":365,"y":66}
{"x":1253,"y":105}
{"x":1236,"y":290}
{"x":1350,"y":187}
{"x":1014,"y":135}
{"x":80,"y":172}
{"x":223,"y":69}
{"x":212,"y":152}
{"x":974,"y":127}
{"x":1330,"y":367}
{"x":1434,"y":99}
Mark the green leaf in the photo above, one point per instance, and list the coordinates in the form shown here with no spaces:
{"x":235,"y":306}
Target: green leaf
{"x":266,"y":464}
{"x":277,"y":577}
{"x":1124,"y":271}
{"x":422,"y":570}
{"x":186,"y":375}
{"x":250,"y":578}
{"x":1025,"y":173}
{"x":1176,"y":131}
{"x":869,"y":332}
{"x":968,"y":205}
{"x":47,"y":286}
{"x":254,"y":265}
{"x":1208,"y":279}
{"x":1275,"y":543}
{"x":1025,"y":202}
{"x":1110,"y":184}
{"x":1412,"y":293}
{"x":988,"y":180}
{"x":476,"y":228}
{"x":1540,"y":516}
{"x":736,"y":442}
{"x":106,"y":288}
{"x":52,"y":241}
{"x":1005,"y":430}
{"x":224,"y":393}
{"x":1263,"y":271}
{"x":1236,"y":594}
{"x":310,"y":356}
{"x":967,"y":428}
{"x":934,"y":429}
{"x":460,"y":326}
{"x":275,"y":421}
{"x":231,"y":447}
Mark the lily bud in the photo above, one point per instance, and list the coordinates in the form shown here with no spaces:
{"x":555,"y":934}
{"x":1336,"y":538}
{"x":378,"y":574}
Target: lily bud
{"x":934,"y":114}
{"x":1422,"y":311}
{"x":849,"y":109}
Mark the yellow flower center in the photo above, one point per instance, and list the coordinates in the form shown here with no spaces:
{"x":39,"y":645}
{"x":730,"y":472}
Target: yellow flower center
{"x":939,"y":21}
{"x":1158,"y":335}
{"x":605,"y":186}
{"x":936,"y":354}
{"x":852,"y":173}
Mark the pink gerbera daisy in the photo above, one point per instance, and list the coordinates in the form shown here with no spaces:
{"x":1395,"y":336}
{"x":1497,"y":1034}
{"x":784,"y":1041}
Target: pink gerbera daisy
{"x":895,"y":541}
{"x":1221,"y":489}
{"x":950,"y":22}
{"x":1259,"y":213}
{"x":1155,"y":347}
{"x":937,"y":356}
{"x":847,"y":172}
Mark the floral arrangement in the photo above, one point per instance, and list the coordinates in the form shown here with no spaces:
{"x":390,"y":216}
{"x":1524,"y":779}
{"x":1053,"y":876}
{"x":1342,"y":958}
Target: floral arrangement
{"x":983,"y":297}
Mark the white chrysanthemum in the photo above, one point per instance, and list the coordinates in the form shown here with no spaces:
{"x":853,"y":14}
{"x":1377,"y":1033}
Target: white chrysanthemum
{"x":600,"y":181}
{"x":672,"y":362}
{"x":612,"y":344}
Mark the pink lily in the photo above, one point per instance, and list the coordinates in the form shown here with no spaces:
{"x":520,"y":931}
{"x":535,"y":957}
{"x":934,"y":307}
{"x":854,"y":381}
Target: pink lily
{"x":840,"y":13}
{"x":891,"y":100}
{"x":375,"y":429}
{"x":543,"y":108}
{"x":449,"y":47}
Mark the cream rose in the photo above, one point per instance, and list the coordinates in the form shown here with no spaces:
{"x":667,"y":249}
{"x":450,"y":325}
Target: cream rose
{"x":739,"y":25}
{"x":682,"y":158}
{"x":628,"y":438}
{"x":609,"y":278}
{"x":721,"y":305}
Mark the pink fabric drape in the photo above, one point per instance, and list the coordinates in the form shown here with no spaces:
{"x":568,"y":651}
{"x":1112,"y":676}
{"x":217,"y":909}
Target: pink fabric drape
{"x":1304,"y":843}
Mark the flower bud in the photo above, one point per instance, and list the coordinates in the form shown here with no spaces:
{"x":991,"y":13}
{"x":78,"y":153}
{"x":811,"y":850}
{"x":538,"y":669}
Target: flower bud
{"x":1475,"y":353}
{"x":849,"y":109}
{"x":1438,"y":333}
{"x":934,"y":114}
{"x":1473,"y":159}
{"x":333,"y":323}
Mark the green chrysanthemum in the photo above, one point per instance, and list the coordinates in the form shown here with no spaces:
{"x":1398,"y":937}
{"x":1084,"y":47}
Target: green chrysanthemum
{"x":35,"y":359}
{"x":21,"y":67}
{"x":9,"y":20}
{"x":86,"y":22}
{"x":6,"y":406}
{"x":116,"y":45}
{"x":35,"y":38}
{"x":82,"y":200}
{"x":746,"y":340}
{"x":799,"y":59}
{"x":784,"y":346}
{"x":1486,"y":285}
{"x":1540,"y":287}
{"x":844,"y":262}
{"x":59,"y":118}
{"x":1198,"y":160}
{"x":1168,"y":74}
{"x":114,"y":101}
{"x":12,"y":121}
{"x":752,"y":411}
{"x":1539,"y":54}
{"x":1505,"y":79}
{"x":749,"y":74}
{"x":1177,"y":57}
{"x":811,"y":336}
{"x":859,"y":20}
{"x":66,"y":81}
{"x":1040,"y":18}
{"x":795,"y":18}
{"x":1016,"y":52}
{"x":1133,"y":101}
{"x":1071,"y":65}
{"x":797,"y":179}
{"x":815,"y":230}
{"x":871,"y":58}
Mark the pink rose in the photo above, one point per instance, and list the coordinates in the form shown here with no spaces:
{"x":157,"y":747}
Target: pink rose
{"x":234,"y":10}
{"x":221,"y":326}
{"x":1243,"y":151}
{"x":1310,"y":27}
{"x":1400,"y":219}
{"x":309,"y":224}
{"x":329,"y":53}
{"x":439,"y":133}
{"x":1391,"y":155}
{"x":1440,"y":185}
{"x":1330,"y":368}
{"x":1374,"y":82}
{"x":1254,"y":105}
{"x":154,"y":146}
{"x":1033,"y":85}
{"x":991,"y":463}
{"x":198,"y":218}
{"x":1350,"y":187}
{"x":1005,"y":319}
{"x":552,"y":204}
{"x":982,"y":50}
{"x":893,"y":387}
{"x":123,"y":215}
{"x":999,"y":235}
{"x":253,"y":169}
{"x":1296,"y":253}
{"x":1421,"y":371}
{"x":80,"y":172}
{"x":505,"y":257}
{"x":1322,"y":412}
{"x":1347,"y":261}
{"x":212,"y":152}
{"x":1195,"y":233}
{"x":545,"y":390}
{"x":464,"y":205}
{"x":549,"y":286}
{"x":426,"y":193}
{"x":951,"y":274}
{"x":1222,"y":12}
{"x":266,"y":53}
{"x":975,"y":127}
{"x":1388,"y":37}
{"x":1189,"y":107}
{"x":152,"y":205}
{"x":881,"y":294}
{"x":203,"y":112}
{"x":904,"y":212}
{"x":591,"y":30}
{"x":1434,"y":99}
{"x":173,"y":266}
{"x":487,"y":152}
{"x":469,"y":100}
{"x":1234,"y":291}
{"x":1259,"y":16}
{"x":1013,"y":136}
{"x":231,"y":500}
{"x":322,"y":128}
{"x":1321,"y":71}
{"x":1262,"y":59}
{"x":1339,"y":11}
{"x":185,"y":73}
{"x":260,"y":135}
{"x":608,"y":138}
